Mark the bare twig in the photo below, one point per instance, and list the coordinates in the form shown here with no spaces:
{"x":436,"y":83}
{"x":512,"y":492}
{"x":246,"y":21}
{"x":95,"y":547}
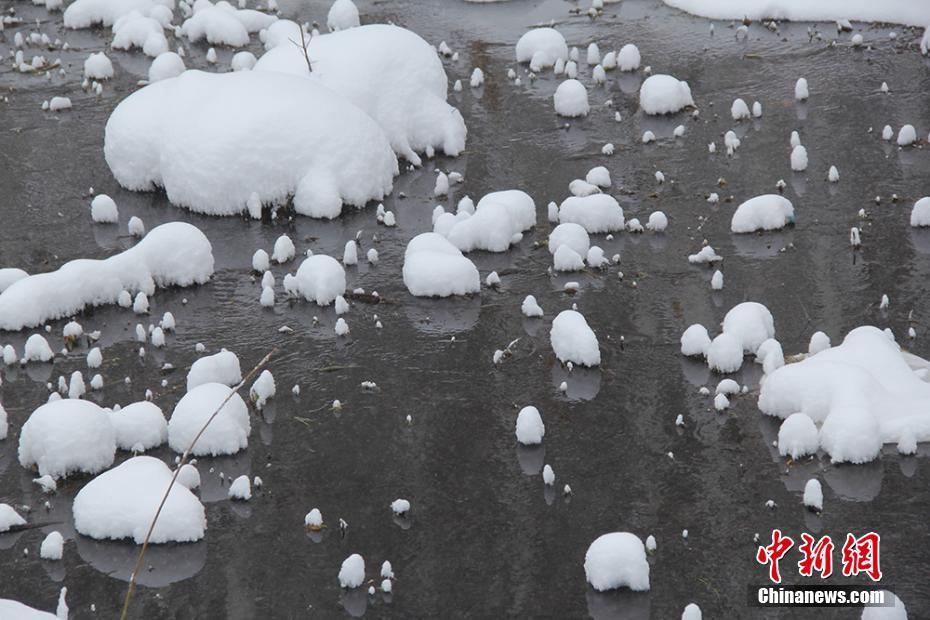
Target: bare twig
{"x":303,"y":46}
{"x":180,"y":464}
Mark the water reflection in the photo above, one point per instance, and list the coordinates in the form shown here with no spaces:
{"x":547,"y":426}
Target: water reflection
{"x":618,"y":605}
{"x":582,"y":383}
{"x":165,"y":564}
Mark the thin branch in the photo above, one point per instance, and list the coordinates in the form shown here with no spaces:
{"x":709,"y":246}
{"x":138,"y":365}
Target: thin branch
{"x":303,"y":46}
{"x":177,"y":470}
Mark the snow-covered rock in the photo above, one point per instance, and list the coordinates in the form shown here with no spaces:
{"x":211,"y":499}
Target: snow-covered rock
{"x":498,"y":220}
{"x":315,"y":145}
{"x":572,"y":236}
{"x":617,"y":560}
{"x":530,"y":308}
{"x":434,"y":267}
{"x":628,"y":58}
{"x":910,"y":13}
{"x":799,"y":158}
{"x":222,"y":367}
{"x":36,"y":348}
{"x":664,"y":94}
{"x":863,"y":393}
{"x":65,"y":436}
{"x":103,"y":210}
{"x":173,"y":254}
{"x":920,"y":213}
{"x":223,"y":24}
{"x":573,"y":340}
{"x":813,"y":495}
{"x":320,"y":279}
{"x":134,"y":30}
{"x":907,"y":135}
{"x":227,"y":433}
{"x":352,"y":571}
{"x":530,"y":428}
{"x":86,"y":13}
{"x":9,"y":275}
{"x":695,"y":341}
{"x":240,"y":488}
{"x":9,"y":518}
{"x":766,"y":212}
{"x":797,"y":436}
{"x":98,"y":67}
{"x":122,"y":502}
{"x":139,"y":425}
{"x":751,"y":323}
{"x":343,"y":14}
{"x":725,"y":353}
{"x":571,"y":99}
{"x":262,"y":389}
{"x":52,"y":547}
{"x":389,"y":72}
{"x":657,"y":222}
{"x":166,"y":65}
{"x":541,"y":47}
{"x":597,"y":213}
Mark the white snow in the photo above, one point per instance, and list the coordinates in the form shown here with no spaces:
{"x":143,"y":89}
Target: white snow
{"x":243,"y":61}
{"x":139,"y":425}
{"x":725,"y":353}
{"x":801,"y":92}
{"x":103,"y":210}
{"x":283,"y":250}
{"x":819,"y":342}
{"x":227,"y":433}
{"x":498,"y":221}
{"x":136,"y":30}
{"x":664,"y":94}
{"x":343,"y":14}
{"x":262,"y":389}
{"x":166,"y":65}
{"x":173,"y":254}
{"x":657,"y":222}
{"x":9,"y":275}
{"x":571,"y":99}
{"x":222,"y":367}
{"x":695,"y":341}
{"x":813,"y":495}
{"x":799,"y":158}
{"x":573,"y":340}
{"x":530,"y":428}
{"x":389,"y":72}
{"x":628,"y":58}
{"x":597,"y":213}
{"x":320,"y":279}
{"x":542,"y":46}
{"x":65,"y":436}
{"x":400,"y":506}
{"x":530,"y":308}
{"x":434,"y":267}
{"x":85,"y":13}
{"x":863,"y":393}
{"x":766,"y":212}
{"x":692,"y":612}
{"x":98,"y":67}
{"x":121,"y":503}
{"x":313,"y":519}
{"x":36,"y":348}
{"x":315,"y":144}
{"x":240,"y":488}
{"x":617,"y":560}
{"x":52,"y":547}
{"x":223,"y":24}
{"x":575,"y":241}
{"x":897,"y":611}
{"x":920,"y":213}
{"x":9,"y":518}
{"x":739,"y":110}
{"x":907,"y":135}
{"x":901,"y":12}
{"x":352,"y":571}
{"x":797,"y":436}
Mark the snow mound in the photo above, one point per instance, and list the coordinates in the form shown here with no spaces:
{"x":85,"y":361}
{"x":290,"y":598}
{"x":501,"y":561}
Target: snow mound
{"x":352,"y":571}
{"x":188,"y":135}
{"x":135,"y":30}
{"x":573,"y":340}
{"x":223,"y":24}
{"x":343,"y":14}
{"x":751,"y":323}
{"x":121,"y":503}
{"x":571,"y":99}
{"x":389,"y":72}
{"x":628,"y":58}
{"x":695,"y":341}
{"x":9,"y":275}
{"x":498,"y":221}
{"x":166,"y":65}
{"x":227,"y":434}
{"x":725,"y":354}
{"x":543,"y":47}
{"x":530,"y":428}
{"x":617,"y":560}
{"x":139,"y":425}
{"x":920,"y":214}
{"x":434,"y":267}
{"x":98,"y":67}
{"x":86,"y":13}
{"x":222,"y":367}
{"x":14,"y":610}
{"x":320,"y":279}
{"x":9,"y":518}
{"x":597,"y":213}
{"x":571,"y":235}
{"x":664,"y":94}
{"x":65,"y":436}
{"x":766,"y":212}
{"x":863,"y":393}
{"x":173,"y":254}
{"x":798,"y":436}
{"x":900,"y":12}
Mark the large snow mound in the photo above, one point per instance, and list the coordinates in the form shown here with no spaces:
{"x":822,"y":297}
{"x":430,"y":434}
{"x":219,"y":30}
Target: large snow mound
{"x":863,"y":393}
{"x":85,"y":13}
{"x":751,"y":323}
{"x":213,"y":140}
{"x":320,"y":279}
{"x":617,"y":560}
{"x":597,"y":213}
{"x":433,"y":267}
{"x":139,"y":426}
{"x":498,"y":221}
{"x":664,"y":94}
{"x":223,"y":24}
{"x":766,"y":212}
{"x":390,"y":73}
{"x":173,"y":254}
{"x":121,"y":503}
{"x":227,"y":433}
{"x":222,"y":367}
{"x":893,"y":11}
{"x":65,"y":436}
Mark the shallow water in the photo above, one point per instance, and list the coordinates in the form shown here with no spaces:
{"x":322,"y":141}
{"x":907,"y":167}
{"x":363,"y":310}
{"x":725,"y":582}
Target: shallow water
{"x":485,"y":539}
